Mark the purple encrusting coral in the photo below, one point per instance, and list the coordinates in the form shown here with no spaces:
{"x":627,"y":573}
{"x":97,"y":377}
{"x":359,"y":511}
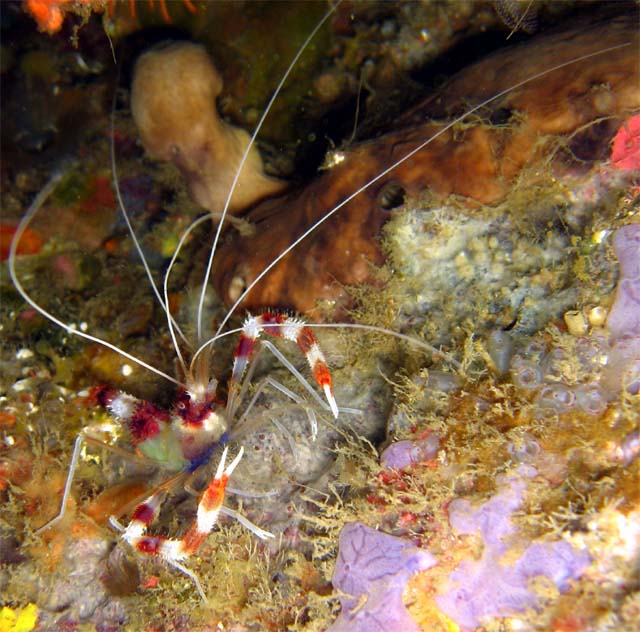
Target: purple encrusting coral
{"x":487,"y":588}
{"x":624,"y":317}
{"x":402,"y":454}
{"x":492,"y":519}
{"x":371,"y":572}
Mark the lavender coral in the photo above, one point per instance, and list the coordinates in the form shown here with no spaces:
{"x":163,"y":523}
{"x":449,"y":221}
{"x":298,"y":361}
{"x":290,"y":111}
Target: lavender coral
{"x":624,"y":317}
{"x":492,"y":519}
{"x":402,"y":454}
{"x":371,"y":572}
{"x":490,"y":587}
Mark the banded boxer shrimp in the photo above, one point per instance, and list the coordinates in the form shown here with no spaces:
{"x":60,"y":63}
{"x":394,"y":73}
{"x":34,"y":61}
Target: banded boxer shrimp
{"x":204,"y":391}
{"x":201,"y":421}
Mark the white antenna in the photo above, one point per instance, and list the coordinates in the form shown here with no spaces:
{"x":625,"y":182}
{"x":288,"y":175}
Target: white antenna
{"x":256,"y":131}
{"x":398,"y":162}
{"x":35,"y":206}
{"x":125,"y":214}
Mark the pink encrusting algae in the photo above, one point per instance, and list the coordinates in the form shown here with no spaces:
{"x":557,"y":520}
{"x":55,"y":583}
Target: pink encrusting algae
{"x":625,"y":153}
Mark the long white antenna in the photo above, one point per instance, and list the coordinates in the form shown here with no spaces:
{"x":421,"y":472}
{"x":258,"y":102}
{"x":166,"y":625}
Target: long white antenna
{"x":125,"y":214}
{"x":165,"y":284}
{"x":363,"y":327}
{"x":35,"y":206}
{"x":398,"y":162}
{"x":256,"y":131}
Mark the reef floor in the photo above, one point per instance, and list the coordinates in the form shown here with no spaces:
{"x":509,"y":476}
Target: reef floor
{"x":488,"y":482}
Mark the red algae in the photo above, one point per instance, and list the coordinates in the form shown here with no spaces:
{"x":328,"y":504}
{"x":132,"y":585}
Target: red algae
{"x":625,"y":152}
{"x":30,"y":244}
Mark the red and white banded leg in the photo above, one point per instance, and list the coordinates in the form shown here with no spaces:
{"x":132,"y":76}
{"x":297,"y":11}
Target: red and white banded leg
{"x":293,"y":329}
{"x":173,"y":551}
